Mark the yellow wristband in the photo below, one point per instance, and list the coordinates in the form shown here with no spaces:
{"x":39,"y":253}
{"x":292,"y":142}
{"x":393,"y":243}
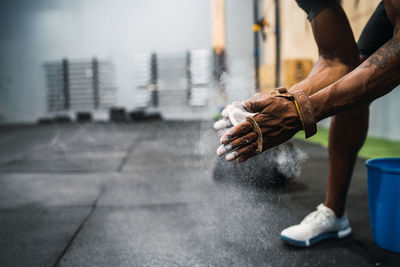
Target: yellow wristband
{"x":298,"y":109}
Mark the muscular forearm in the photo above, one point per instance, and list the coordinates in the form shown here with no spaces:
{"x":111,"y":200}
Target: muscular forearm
{"x":338,"y":53}
{"x":324,"y":73}
{"x":377,"y":76}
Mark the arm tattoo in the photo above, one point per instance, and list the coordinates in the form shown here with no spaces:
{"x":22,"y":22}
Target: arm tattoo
{"x":384,"y":55}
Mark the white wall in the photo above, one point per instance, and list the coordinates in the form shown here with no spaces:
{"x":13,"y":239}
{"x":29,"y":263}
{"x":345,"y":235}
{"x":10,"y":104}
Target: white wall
{"x":32,"y":32}
{"x":240,"y":48}
{"x":384,"y":118}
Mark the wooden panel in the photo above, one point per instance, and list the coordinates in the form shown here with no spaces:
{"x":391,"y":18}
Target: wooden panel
{"x":294,"y":71}
{"x":267,"y":77}
{"x":218,"y":25}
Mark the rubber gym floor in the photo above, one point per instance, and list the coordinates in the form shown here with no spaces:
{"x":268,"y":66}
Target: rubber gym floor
{"x":142,"y":194}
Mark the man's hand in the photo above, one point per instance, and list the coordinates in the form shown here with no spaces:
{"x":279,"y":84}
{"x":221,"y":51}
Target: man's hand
{"x":259,"y":101}
{"x":232,"y":115}
{"x":277,"y":119}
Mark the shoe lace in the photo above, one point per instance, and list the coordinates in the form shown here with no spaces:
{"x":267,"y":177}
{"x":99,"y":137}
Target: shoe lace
{"x":318,"y":217}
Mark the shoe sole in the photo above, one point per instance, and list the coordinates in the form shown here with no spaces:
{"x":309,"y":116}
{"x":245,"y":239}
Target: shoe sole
{"x":330,"y":235}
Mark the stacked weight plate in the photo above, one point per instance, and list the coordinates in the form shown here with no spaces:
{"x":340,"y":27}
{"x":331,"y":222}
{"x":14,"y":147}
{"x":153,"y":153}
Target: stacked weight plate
{"x":91,"y":85}
{"x":172,"y":79}
{"x":200,"y":77}
{"x":80,"y":85}
{"x":143,"y":74}
{"x":107,"y":86}
{"x":56,"y":97}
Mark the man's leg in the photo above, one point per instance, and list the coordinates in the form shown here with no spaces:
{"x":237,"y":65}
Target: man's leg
{"x":348,"y":130}
{"x":347,"y":133}
{"x":346,"y":136}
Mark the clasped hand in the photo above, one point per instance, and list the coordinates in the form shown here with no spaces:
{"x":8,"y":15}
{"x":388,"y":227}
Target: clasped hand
{"x":277,"y":119}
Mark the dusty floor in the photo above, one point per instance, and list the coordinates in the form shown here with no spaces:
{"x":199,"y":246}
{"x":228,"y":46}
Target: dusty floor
{"x":143,"y":195}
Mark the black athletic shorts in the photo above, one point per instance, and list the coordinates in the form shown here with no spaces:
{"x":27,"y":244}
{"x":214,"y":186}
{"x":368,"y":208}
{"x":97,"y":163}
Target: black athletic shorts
{"x":376,"y":33}
{"x":313,"y":7}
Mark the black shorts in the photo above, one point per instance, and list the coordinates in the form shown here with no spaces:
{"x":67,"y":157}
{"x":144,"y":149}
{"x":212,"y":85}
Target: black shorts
{"x":313,"y":7}
{"x":376,"y":33}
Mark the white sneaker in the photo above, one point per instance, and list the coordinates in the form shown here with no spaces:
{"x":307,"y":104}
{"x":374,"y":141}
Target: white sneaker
{"x":315,"y":227}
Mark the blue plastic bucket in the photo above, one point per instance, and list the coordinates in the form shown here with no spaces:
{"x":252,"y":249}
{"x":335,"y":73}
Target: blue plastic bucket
{"x":384,"y":201}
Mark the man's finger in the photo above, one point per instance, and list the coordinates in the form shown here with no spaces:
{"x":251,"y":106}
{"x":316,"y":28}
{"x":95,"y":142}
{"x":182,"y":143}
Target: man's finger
{"x":241,"y":141}
{"x":222,"y":124}
{"x":237,"y":131}
{"x":245,"y":157}
{"x":222,"y":132}
{"x":250,"y":148}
